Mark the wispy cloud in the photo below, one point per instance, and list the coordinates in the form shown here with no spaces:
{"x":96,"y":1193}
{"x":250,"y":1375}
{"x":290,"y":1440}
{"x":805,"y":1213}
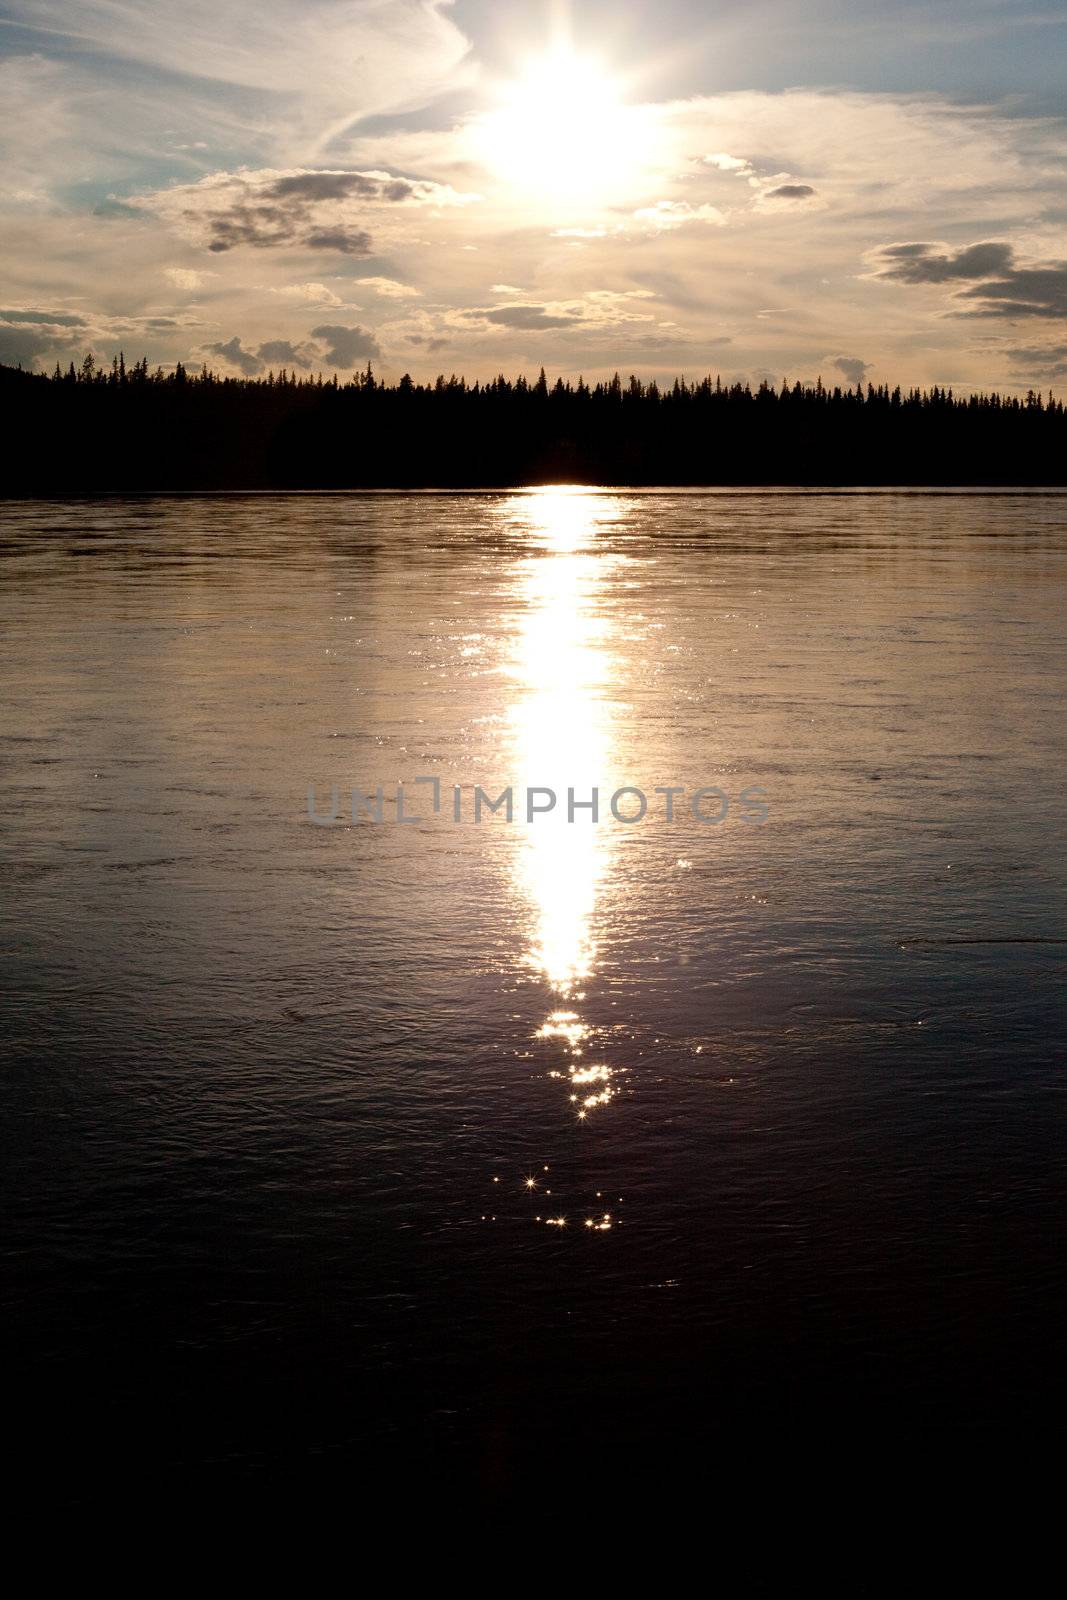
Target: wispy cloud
{"x":182,"y":215}
{"x":328,"y":62}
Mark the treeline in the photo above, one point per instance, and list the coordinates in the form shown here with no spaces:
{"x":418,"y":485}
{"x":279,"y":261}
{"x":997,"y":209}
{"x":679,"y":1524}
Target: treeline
{"x":98,"y":429}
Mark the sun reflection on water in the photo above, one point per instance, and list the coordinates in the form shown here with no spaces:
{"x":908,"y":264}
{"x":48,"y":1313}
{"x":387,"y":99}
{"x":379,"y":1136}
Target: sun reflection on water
{"x":561,"y":721}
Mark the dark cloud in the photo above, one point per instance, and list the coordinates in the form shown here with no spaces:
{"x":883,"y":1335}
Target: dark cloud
{"x":27,"y":335}
{"x":322,"y":186}
{"x":52,"y":319}
{"x":309,"y":210}
{"x":526,"y":317}
{"x":1045,"y":362}
{"x":667,"y":344}
{"x":335,"y":346}
{"x":1024,"y":292}
{"x":273,"y":227}
{"x":920,"y":263}
{"x":20,"y":347}
{"x":349,"y":241}
{"x":232,"y":352}
{"x":432,"y":345}
{"x":280,"y":353}
{"x":1053,"y":373}
{"x":246,"y":225}
{"x":314,"y":186}
{"x":346,"y":346}
{"x":853,"y":368}
{"x":1048,"y":352}
{"x":791,"y":191}
{"x":997,"y":285}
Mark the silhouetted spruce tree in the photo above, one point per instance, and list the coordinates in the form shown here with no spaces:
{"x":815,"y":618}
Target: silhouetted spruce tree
{"x":108,"y":426}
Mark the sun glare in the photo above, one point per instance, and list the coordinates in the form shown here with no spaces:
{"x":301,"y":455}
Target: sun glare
{"x":563,"y":132}
{"x":563,"y":668}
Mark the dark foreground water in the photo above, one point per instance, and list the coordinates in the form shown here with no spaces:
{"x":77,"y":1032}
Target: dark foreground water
{"x":529,"y":1164}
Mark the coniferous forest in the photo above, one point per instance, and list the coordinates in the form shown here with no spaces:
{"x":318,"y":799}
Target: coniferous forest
{"x":126,"y":428}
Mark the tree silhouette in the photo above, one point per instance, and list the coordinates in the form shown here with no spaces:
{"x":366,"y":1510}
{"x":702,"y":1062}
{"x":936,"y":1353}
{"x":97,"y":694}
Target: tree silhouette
{"x":97,"y":428}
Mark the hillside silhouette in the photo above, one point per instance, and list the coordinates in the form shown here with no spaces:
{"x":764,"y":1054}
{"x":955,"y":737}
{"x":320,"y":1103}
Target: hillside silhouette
{"x":119,"y":428}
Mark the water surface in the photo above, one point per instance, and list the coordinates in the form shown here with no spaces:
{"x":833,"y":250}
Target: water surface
{"x":461,"y":1153}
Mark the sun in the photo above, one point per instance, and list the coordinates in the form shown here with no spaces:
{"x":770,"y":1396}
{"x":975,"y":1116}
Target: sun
{"x":562,"y":131}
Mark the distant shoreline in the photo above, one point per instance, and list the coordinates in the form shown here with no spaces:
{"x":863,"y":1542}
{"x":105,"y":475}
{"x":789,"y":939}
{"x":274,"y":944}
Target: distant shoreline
{"x":127,"y":430}
{"x":665,"y":491}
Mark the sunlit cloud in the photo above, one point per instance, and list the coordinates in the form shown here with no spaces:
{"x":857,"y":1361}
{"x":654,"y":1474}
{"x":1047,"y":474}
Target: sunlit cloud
{"x":278,"y":199}
{"x":186,"y":277}
{"x":331,"y":61}
{"x":389,"y":288}
{"x":316,"y":294}
{"x":310,"y":210}
{"x":666,"y":214}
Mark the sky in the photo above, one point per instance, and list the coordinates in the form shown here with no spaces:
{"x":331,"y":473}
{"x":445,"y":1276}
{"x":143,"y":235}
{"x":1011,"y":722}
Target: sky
{"x":857,"y":191}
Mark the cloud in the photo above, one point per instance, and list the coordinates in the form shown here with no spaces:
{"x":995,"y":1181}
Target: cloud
{"x":346,"y":346}
{"x":280,"y":352}
{"x":388,"y":287}
{"x":55,"y":319}
{"x":333,"y":61}
{"x":1046,"y":362}
{"x":311,"y":210}
{"x":315,"y":186}
{"x":1023,"y":292}
{"x":853,"y":368}
{"x":527,"y":317}
{"x":997,"y":285}
{"x":725,"y":163}
{"x":348,"y":241}
{"x":667,"y":214}
{"x":790,"y":191}
{"x":1038,"y":353}
{"x":883,"y":165}
{"x":335,"y":347}
{"x":773,"y":192}
{"x":920,"y":263}
{"x":20,"y":347}
{"x":779,"y":193}
{"x":185,"y":277}
{"x":115,"y":208}
{"x":595,"y":310}
{"x":232,"y":352}
{"x":314,"y":293}
{"x":28,"y":334}
{"x":432,"y":345}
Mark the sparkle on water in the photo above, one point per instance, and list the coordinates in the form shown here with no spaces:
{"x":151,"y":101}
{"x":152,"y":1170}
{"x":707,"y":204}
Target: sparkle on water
{"x":260,"y":1076}
{"x":564,"y":666}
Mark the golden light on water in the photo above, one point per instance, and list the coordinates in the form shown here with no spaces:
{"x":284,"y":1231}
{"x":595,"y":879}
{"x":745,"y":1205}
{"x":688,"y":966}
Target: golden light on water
{"x":561,"y":723}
